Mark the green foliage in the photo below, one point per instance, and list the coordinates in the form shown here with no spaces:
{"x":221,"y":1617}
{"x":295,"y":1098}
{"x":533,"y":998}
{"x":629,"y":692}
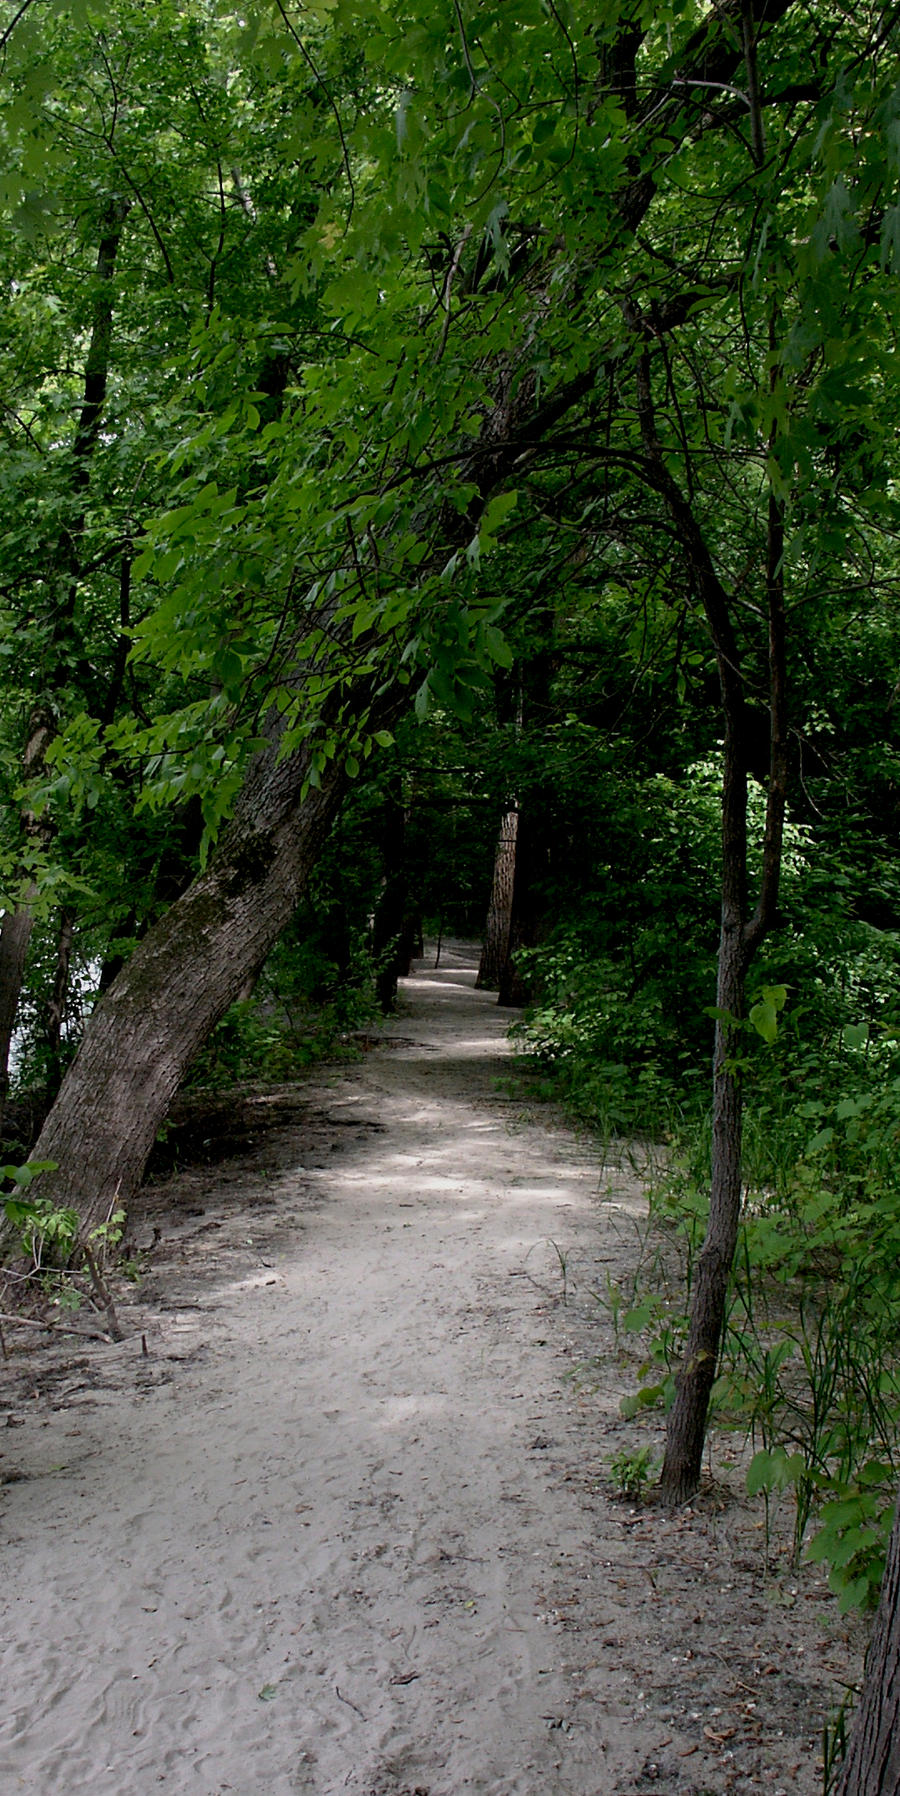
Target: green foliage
{"x":655,"y":1318}
{"x":763,"y":1015}
{"x":772,"y":1470}
{"x":273,"y":1039}
{"x":835,"y":1736}
{"x":45,"y":1232}
{"x":854,"y":1534}
{"x":632,"y":1472}
{"x":622,"y":1038}
{"x":49,"y":1235}
{"x":809,"y":1363}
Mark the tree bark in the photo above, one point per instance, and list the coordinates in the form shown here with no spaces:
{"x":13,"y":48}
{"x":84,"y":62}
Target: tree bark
{"x":395,"y":926}
{"x":499,"y":917}
{"x":180,"y":980}
{"x":686,"y":1430}
{"x":872,"y":1765}
{"x":740,"y":937}
{"x":523,"y":926}
{"x":740,"y":934}
{"x":15,"y":934}
{"x":56,"y":1004}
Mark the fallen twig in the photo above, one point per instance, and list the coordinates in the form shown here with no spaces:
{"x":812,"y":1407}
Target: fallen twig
{"x":63,"y":1328}
{"x":350,"y":1705}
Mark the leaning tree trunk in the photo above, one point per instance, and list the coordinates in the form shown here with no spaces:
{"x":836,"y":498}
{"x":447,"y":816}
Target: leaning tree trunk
{"x":189,"y":968}
{"x":499,"y":917}
{"x":178,"y":983}
{"x":872,"y":1765}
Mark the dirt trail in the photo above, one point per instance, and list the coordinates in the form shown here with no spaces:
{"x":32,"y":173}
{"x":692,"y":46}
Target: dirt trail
{"x":345,"y":1525}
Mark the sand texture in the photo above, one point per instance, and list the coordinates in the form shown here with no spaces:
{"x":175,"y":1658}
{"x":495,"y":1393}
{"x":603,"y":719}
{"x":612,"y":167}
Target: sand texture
{"x":336,"y":1515}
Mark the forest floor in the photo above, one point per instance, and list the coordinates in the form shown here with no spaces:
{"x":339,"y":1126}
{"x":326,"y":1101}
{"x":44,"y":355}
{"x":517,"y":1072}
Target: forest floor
{"x":337,"y":1514}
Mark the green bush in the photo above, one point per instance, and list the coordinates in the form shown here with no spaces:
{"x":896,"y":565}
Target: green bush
{"x":622,"y":1029}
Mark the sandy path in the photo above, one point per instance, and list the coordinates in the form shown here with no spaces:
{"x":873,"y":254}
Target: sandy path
{"x":336,"y":1529}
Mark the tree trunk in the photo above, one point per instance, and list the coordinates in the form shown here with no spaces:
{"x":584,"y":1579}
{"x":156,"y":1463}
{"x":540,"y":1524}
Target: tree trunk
{"x":872,"y":1765}
{"x":739,"y":940}
{"x":499,"y":917}
{"x":395,"y":926}
{"x":56,"y":1004}
{"x":15,"y":934}
{"x":523,"y":925}
{"x":178,"y":983}
{"x":188,"y":969}
{"x":686,"y":1431}
{"x":741,"y":933}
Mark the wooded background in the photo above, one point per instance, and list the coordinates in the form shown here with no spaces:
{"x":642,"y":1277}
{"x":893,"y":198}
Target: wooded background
{"x":449,"y":437}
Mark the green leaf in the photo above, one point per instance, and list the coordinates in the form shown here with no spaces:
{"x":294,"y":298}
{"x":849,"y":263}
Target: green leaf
{"x":764,"y":1018}
{"x":773,"y":1470}
{"x":496,"y":512}
{"x":759,"y":1473}
{"x":497,"y":646}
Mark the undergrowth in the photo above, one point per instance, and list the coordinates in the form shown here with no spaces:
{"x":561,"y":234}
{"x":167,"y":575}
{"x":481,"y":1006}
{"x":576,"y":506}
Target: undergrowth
{"x":48,"y":1259}
{"x":809,"y":1373}
{"x":302,"y":1011}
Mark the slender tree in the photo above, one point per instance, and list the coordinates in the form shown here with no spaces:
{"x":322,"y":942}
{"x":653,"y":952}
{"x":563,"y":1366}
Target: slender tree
{"x":498,"y":927}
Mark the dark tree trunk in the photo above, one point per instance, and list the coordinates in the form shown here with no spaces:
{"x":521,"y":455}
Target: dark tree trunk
{"x":686,"y":1429}
{"x":499,"y":917}
{"x":741,"y":933}
{"x":740,"y":936}
{"x":178,"y":983}
{"x":395,"y":929}
{"x":872,"y":1765}
{"x":15,"y":935}
{"x":56,"y":1005}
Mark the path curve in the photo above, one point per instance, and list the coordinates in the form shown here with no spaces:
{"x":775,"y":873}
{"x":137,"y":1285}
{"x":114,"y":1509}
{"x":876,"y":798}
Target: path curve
{"x":331,"y":1531}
